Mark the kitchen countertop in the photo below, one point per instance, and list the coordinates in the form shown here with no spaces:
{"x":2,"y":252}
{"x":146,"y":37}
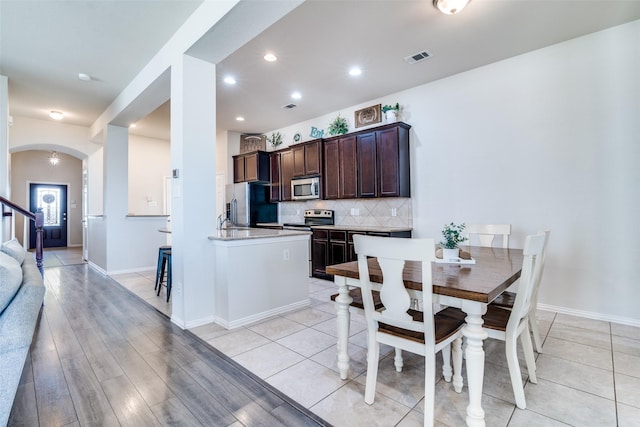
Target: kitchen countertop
{"x":253,"y":233}
{"x":374,"y":228}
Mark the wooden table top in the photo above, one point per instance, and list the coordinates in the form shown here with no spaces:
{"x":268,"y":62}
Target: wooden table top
{"x":494,"y":271}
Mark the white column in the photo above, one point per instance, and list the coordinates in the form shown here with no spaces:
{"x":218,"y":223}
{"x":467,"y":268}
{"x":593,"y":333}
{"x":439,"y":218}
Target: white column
{"x":193,"y":205}
{"x":4,"y":152}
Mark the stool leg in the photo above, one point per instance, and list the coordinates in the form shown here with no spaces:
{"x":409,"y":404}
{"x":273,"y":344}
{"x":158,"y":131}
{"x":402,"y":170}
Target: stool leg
{"x":164,"y":262}
{"x":168,"y":277}
{"x":158,"y":269}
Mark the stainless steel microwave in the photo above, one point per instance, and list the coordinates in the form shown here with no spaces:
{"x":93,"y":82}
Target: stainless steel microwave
{"x":305,"y":188}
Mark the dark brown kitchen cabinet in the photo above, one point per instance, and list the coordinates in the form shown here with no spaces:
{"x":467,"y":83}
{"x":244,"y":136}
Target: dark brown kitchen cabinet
{"x":340,"y":176}
{"x":275,"y":189}
{"x":307,"y":158}
{"x":383,"y":162}
{"x":251,"y":167}
{"x":335,"y":246}
{"x":286,"y":174}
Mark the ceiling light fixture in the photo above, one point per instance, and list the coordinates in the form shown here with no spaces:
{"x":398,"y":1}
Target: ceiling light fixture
{"x":229,"y":80}
{"x":56,"y":115}
{"x":53,"y":158}
{"x":270,"y":57}
{"x":240,"y":119}
{"x":132,"y":125}
{"x":449,"y":7}
{"x":355,"y":71}
{"x":84,"y":77}
{"x":296,"y":95}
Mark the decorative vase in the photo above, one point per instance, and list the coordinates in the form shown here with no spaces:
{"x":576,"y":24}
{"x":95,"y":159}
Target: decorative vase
{"x":448,"y":254}
{"x":391,"y":116}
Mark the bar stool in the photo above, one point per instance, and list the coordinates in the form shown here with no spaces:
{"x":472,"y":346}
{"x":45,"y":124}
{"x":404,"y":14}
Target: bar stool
{"x":160,"y":267}
{"x":166,"y":260}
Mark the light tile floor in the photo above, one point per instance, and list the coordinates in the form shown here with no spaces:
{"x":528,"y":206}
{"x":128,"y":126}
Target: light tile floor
{"x":588,"y":374}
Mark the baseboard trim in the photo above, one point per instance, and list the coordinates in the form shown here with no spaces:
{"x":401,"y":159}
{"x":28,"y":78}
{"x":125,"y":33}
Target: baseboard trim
{"x":132,"y":270}
{"x":590,"y":315}
{"x":261,"y":316}
{"x":97,"y":268}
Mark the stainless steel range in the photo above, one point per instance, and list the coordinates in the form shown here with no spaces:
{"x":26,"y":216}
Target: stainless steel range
{"x":312,"y":217}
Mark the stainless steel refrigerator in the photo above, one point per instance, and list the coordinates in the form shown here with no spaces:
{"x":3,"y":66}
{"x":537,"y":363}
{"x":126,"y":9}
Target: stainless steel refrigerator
{"x":248,"y":204}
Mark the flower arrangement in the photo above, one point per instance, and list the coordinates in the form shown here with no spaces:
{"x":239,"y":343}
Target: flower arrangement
{"x":387,"y":107}
{"x":275,"y":139}
{"x":452,"y":234}
{"x":339,"y":126}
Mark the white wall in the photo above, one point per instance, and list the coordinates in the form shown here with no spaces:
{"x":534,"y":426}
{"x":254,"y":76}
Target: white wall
{"x":149,"y":164}
{"x":545,"y":139}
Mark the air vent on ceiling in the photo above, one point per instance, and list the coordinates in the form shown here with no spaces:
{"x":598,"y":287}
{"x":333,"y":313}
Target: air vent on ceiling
{"x":417,"y":57}
{"x":289,"y":106}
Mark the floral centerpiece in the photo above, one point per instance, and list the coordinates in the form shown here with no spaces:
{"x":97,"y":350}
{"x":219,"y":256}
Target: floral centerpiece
{"x":452,"y":234}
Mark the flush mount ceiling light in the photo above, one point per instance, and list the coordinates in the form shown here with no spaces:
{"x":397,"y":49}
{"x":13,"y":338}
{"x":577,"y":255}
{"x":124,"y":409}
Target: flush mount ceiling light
{"x":240,"y":119}
{"x":56,"y":115}
{"x":229,"y":80}
{"x":270,"y":57}
{"x":449,"y":7}
{"x":84,"y":77}
{"x":296,"y":95}
{"x":355,"y":71}
{"x":53,"y":158}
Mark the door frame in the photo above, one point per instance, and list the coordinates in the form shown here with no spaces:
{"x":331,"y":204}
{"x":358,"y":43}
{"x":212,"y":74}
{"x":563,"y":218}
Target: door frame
{"x":28,"y":199}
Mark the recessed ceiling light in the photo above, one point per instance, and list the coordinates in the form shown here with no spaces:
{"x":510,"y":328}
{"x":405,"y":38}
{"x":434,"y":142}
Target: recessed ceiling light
{"x":240,"y":119}
{"x":355,"y":71}
{"x":84,"y":76}
{"x":229,"y":80}
{"x":296,"y":95}
{"x":270,"y":57}
{"x":132,"y":125}
{"x":56,"y":115}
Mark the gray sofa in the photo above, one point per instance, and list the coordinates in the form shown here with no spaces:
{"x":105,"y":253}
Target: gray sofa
{"x":21,"y":296}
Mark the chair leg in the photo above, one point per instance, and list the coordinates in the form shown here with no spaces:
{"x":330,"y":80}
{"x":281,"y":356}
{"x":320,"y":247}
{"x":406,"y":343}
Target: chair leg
{"x":429,"y":387}
{"x":514,"y":371}
{"x":536,"y":331}
{"x":456,"y":352}
{"x":372,"y":372}
{"x":528,"y":355}
{"x":446,"y":363}
{"x":397,"y":360}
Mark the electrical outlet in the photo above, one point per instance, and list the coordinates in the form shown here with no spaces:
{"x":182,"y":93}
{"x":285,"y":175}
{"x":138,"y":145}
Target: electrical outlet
{"x":285,"y":255}
{"x":394,"y":212}
{"x":297,"y":211}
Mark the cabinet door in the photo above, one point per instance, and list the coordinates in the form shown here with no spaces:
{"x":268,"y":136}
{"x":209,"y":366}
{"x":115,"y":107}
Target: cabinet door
{"x":286,"y":165}
{"x":348,"y":168}
{"x":274,"y":177}
{"x":366,"y":146}
{"x":332,"y":168}
{"x":238,"y":169}
{"x":298,"y":161}
{"x":319,"y":252}
{"x":388,"y":163}
{"x":312,"y":158}
{"x":251,"y":167}
{"x":351,"y":250}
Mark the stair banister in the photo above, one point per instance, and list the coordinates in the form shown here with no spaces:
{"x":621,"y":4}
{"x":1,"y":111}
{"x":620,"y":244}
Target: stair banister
{"x":37,"y":218}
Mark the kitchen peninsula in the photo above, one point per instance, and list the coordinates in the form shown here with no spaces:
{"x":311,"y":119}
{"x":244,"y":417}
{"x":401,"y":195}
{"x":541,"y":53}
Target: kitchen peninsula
{"x":259,"y":273}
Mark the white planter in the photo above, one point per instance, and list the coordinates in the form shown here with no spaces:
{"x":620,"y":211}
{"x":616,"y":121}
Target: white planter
{"x":391,"y":116}
{"x":450,"y":254}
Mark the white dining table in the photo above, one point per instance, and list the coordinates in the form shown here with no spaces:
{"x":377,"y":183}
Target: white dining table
{"x":470,"y":287}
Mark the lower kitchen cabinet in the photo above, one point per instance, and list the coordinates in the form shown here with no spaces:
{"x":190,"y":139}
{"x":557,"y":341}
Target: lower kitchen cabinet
{"x":335,"y":246}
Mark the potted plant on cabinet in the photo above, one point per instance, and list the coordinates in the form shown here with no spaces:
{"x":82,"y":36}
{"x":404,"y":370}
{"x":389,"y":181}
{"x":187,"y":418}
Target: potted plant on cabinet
{"x":452,"y":234}
{"x":339,"y":126}
{"x":391,"y":112}
{"x":275,"y":139}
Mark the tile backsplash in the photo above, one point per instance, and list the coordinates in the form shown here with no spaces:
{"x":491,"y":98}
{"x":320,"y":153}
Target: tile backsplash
{"x":387,"y":212}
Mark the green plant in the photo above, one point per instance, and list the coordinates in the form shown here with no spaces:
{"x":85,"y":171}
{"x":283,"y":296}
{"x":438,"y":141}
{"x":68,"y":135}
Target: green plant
{"x":275,"y":139}
{"x":339,"y":126}
{"x":391,"y":107}
{"x":452,"y":236}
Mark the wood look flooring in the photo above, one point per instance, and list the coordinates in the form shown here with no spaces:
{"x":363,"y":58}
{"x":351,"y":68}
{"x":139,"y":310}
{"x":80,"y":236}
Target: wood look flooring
{"x":103,"y":357}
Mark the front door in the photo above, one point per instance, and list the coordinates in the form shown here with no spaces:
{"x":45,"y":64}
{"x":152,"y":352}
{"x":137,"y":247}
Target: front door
{"x":52,"y":200}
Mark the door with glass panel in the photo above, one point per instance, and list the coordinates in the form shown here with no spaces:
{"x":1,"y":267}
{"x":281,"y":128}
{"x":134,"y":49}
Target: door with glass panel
{"x":52,"y":200}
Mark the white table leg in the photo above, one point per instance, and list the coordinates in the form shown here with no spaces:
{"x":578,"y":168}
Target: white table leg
{"x":343,"y":300}
{"x":474,"y":357}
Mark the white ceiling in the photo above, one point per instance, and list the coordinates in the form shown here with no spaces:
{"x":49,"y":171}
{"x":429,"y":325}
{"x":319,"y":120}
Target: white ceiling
{"x":45,"y":44}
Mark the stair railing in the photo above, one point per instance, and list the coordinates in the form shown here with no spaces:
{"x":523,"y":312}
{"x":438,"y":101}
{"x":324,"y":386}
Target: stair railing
{"x":37,"y":218}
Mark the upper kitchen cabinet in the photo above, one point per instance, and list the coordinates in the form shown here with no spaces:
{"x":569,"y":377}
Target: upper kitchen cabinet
{"x":275,"y":194}
{"x":340,"y":168}
{"x":286,"y":174}
{"x":307,"y":158}
{"x":250,"y":167}
{"x":383,"y":161}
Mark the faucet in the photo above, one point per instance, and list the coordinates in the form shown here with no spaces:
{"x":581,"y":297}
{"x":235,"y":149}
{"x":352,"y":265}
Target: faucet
{"x":221,"y":221}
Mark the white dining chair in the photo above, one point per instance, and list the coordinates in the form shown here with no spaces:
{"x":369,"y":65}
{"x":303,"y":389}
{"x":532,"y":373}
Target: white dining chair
{"x":397,"y":325}
{"x":509,"y":325}
{"x":507,"y":299}
{"x":485,"y":234}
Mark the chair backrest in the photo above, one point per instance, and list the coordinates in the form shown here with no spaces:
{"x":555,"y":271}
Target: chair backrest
{"x":532,"y":263}
{"x":391,"y":254}
{"x":484,"y":234}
